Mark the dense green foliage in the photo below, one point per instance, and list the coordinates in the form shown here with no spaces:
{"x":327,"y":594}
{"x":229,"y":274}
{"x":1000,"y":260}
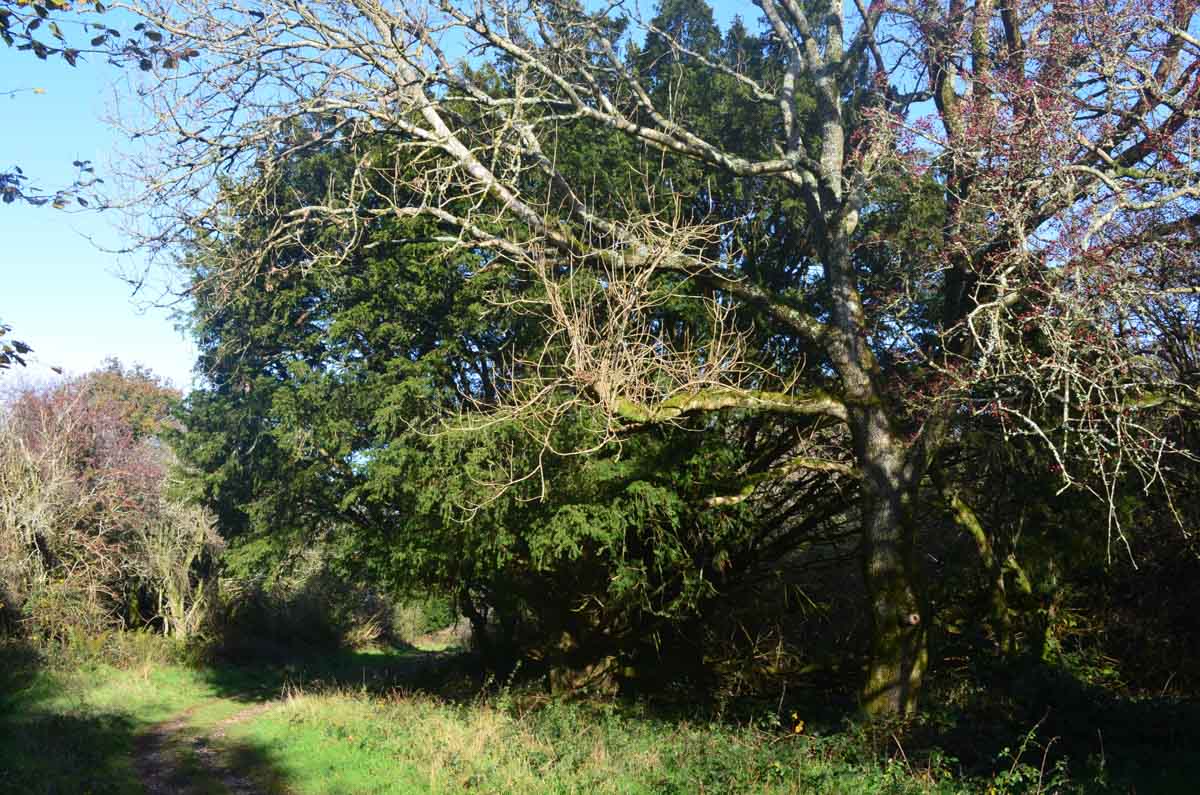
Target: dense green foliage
{"x":358,"y":403}
{"x":352,"y":401}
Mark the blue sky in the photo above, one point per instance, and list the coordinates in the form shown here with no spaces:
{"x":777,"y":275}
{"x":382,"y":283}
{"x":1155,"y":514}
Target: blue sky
{"x":59,"y":289}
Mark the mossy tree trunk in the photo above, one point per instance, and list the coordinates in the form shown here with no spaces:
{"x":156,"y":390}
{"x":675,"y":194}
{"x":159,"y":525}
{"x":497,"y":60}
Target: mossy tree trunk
{"x":1015,"y":615}
{"x":888,"y":465}
{"x":899,"y":651}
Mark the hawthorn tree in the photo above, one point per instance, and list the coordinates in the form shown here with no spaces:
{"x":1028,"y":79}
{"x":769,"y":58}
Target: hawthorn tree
{"x":1057,"y":142}
{"x":91,"y":535}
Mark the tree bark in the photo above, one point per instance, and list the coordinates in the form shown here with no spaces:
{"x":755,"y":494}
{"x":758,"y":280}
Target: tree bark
{"x":479,"y":628}
{"x":899,"y":653}
{"x":898,"y":638}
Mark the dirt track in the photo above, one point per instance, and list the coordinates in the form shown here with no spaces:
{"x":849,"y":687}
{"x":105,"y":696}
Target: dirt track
{"x":165,"y":766}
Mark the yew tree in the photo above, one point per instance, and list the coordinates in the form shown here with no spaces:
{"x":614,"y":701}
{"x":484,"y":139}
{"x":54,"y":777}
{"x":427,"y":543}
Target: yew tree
{"x":1047,"y":148}
{"x":322,"y":386}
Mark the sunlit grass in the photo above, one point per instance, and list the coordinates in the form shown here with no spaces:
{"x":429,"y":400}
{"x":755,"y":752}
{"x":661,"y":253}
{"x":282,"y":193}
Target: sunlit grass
{"x":338,"y":725}
{"x":348,"y":742}
{"x":71,"y":729}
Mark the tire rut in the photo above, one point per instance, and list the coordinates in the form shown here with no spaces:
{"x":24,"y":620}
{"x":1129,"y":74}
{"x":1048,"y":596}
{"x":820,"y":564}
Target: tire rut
{"x":158,"y":751}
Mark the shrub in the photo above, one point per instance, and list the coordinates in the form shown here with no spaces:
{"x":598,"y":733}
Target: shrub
{"x":415,"y":617}
{"x":91,"y":538}
{"x":299,"y":605}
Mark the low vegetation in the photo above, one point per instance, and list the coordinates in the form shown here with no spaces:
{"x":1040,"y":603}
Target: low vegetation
{"x":414,"y":721}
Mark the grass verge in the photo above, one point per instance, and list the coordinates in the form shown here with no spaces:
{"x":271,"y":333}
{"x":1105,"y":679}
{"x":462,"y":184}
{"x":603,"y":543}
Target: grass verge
{"x":352,"y":723}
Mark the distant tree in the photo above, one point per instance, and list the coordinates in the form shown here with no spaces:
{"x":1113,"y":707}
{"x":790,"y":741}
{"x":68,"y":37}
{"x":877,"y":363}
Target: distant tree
{"x":142,"y":400}
{"x":91,"y":533}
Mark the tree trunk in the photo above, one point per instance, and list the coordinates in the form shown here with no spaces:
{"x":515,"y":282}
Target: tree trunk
{"x":578,"y":668}
{"x":480,"y":641}
{"x":898,"y":637}
{"x":898,"y":640}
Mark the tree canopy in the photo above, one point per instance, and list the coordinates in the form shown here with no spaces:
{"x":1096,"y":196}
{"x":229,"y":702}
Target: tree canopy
{"x":698,"y":278}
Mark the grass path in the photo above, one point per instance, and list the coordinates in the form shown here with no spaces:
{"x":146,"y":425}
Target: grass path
{"x":205,"y":747}
{"x":154,"y":727}
{"x":381,"y":724}
{"x":175,"y":756}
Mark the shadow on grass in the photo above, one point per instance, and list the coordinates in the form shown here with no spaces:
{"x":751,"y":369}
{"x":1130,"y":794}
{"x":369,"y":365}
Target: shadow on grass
{"x":451,"y":675}
{"x":1019,"y":725}
{"x":1036,"y":721}
{"x":198,"y":767}
{"x":1046,"y":721}
{"x":60,"y":753}
{"x":51,"y":744}
{"x":1106,"y":742}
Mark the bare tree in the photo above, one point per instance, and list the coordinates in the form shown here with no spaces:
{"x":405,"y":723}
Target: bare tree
{"x":1060,"y":135}
{"x":166,"y":550}
{"x":54,"y":563}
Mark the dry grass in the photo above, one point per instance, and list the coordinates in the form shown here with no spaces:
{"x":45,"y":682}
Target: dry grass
{"x":347,"y":741}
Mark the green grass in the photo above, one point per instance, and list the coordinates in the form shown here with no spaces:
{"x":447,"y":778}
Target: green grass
{"x":355,"y":743}
{"x":342,"y":725}
{"x":74,"y":731}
